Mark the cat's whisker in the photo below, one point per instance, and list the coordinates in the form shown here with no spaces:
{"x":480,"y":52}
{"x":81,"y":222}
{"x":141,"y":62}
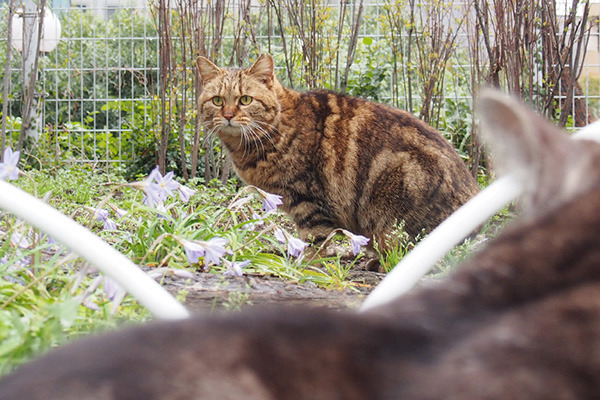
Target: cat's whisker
{"x":212,"y":131}
{"x":256,"y":139}
{"x":265,"y":133}
{"x":246,"y":132}
{"x":267,"y":128}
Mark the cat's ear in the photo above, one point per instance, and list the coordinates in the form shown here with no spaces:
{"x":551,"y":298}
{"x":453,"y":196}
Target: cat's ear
{"x":208,"y":70}
{"x":511,"y":132}
{"x":263,"y":69}
{"x":549,"y":165}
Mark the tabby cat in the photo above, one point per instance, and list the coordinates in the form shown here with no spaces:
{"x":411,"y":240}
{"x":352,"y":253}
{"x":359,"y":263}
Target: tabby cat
{"x":338,"y":161}
{"x":520,"y":320}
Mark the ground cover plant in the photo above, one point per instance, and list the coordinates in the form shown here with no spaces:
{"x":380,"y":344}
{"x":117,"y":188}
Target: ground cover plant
{"x":48,"y":294}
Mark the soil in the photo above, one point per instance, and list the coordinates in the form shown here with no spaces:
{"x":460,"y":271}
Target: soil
{"x":211,"y":292}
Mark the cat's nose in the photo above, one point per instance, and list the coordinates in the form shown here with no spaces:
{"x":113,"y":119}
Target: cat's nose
{"x":228,"y":114}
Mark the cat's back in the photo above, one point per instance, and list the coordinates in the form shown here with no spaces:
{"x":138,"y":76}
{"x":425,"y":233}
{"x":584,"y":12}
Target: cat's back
{"x":338,"y":115}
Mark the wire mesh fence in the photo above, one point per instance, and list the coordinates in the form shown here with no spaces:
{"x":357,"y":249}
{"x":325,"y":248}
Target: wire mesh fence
{"x":120,"y":87}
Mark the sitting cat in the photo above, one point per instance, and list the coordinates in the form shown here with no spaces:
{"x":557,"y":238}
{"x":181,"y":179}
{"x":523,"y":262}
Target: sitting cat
{"x":338,"y":161}
{"x":520,"y":320}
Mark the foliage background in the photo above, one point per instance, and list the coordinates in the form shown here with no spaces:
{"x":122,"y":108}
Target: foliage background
{"x":121,"y":89}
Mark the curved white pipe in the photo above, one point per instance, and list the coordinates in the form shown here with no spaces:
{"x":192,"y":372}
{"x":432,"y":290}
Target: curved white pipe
{"x":452,"y":231}
{"x":442,"y":239}
{"x":83,"y":242}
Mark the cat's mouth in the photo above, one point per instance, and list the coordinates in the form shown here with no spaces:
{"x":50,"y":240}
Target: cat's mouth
{"x":229,"y":128}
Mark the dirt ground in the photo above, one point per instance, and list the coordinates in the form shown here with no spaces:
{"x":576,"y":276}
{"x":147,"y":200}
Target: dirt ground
{"x":211,"y":292}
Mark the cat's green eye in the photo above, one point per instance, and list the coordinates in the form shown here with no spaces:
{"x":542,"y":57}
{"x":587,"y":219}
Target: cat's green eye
{"x":245,"y":100}
{"x":217,"y":101}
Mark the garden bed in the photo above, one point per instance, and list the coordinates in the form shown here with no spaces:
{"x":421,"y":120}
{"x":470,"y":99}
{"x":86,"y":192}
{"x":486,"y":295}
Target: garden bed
{"x":208,"y":292}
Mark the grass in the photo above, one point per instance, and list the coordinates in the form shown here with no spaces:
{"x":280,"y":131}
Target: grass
{"x":48,"y":295}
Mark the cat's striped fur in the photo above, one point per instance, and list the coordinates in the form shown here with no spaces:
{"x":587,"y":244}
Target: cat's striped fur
{"x":338,"y":161}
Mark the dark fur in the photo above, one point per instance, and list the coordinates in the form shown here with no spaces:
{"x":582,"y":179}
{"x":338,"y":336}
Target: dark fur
{"x":338,"y":161}
{"x":520,"y":320}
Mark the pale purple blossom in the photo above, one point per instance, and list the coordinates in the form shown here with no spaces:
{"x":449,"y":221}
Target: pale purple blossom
{"x":102,"y":216}
{"x":235,"y":268}
{"x":87,"y":302}
{"x":9,"y":166}
{"x":295,"y":246}
{"x":215,"y":249}
{"x":185,"y":193}
{"x":158,"y":188}
{"x":160,"y":273}
{"x":166,"y":184}
{"x":111,"y":288}
{"x":279,"y":235}
{"x":258,"y":222}
{"x":151,"y":190}
{"x":358,"y":241}
{"x":212,"y":250}
{"x":270,"y":201}
{"x":193,"y":251}
{"x":120,"y":212}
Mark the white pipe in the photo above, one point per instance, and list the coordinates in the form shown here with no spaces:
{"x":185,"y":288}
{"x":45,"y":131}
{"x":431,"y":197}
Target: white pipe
{"x":452,"y":231}
{"x":442,"y":239}
{"x":83,"y":242}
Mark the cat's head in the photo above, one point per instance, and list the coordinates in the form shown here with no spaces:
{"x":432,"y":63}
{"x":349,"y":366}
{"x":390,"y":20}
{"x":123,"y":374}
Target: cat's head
{"x":239,"y":104}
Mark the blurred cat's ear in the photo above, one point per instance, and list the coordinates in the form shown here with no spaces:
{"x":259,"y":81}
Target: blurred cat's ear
{"x":208,"y":70}
{"x":550,"y":166}
{"x":509,"y":130}
{"x":263,"y":69}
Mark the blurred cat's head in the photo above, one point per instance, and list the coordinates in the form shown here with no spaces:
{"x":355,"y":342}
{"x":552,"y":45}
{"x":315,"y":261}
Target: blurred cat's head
{"x":239,"y":105}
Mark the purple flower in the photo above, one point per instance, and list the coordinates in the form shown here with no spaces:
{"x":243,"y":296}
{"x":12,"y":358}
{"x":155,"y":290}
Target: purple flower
{"x":162,"y":210}
{"x":357,"y":241}
{"x":235,"y":268}
{"x":150,"y":188}
{"x":160,"y":273}
{"x":111,"y":288}
{"x":8,"y":167}
{"x":102,"y":216}
{"x":295,"y":246}
{"x":193,"y":251}
{"x":270,"y":201}
{"x":212,"y":250}
{"x":215,"y":249}
{"x":166,"y":184}
{"x":258,"y":222}
{"x":120,"y":212}
{"x":280,"y":235}
{"x":185,"y":193}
